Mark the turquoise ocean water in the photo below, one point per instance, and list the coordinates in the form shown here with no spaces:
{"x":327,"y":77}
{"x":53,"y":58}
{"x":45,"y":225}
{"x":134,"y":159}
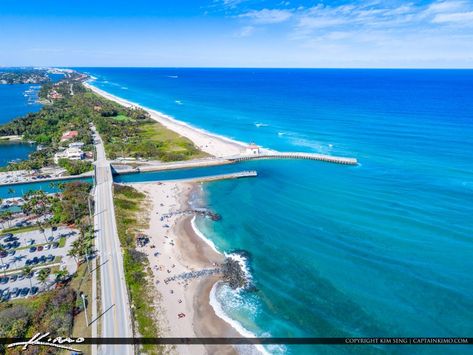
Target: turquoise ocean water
{"x":381,"y":249}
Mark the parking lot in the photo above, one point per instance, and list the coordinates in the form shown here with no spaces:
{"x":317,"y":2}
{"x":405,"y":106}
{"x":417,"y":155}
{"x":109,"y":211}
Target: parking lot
{"x":38,"y":250}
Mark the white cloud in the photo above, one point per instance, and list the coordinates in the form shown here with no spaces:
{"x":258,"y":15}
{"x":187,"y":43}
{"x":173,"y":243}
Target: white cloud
{"x":232,"y":3}
{"x":456,"y":17}
{"x":267,"y":16}
{"x":445,"y":6}
{"x":245,"y":31}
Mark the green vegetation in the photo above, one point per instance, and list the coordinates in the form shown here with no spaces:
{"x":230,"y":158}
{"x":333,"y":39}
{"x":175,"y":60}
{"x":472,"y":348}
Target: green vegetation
{"x":16,"y":230}
{"x":51,"y":311}
{"x":73,"y":206}
{"x":130,"y":132}
{"x":128,"y":204}
{"x":75,"y":167}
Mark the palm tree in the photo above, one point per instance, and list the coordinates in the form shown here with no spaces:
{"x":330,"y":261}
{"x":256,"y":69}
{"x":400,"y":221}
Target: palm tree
{"x":8,"y":216}
{"x":61,"y":275}
{"x":2,"y":250}
{"x":43,"y":276}
{"x":27,"y":270}
{"x":41,"y":229}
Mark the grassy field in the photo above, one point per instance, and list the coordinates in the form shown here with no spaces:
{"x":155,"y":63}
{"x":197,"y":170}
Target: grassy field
{"x":128,"y":205}
{"x":17,"y":230}
{"x":122,"y":118}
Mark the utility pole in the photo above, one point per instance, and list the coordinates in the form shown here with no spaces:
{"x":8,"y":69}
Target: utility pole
{"x":85,"y":308}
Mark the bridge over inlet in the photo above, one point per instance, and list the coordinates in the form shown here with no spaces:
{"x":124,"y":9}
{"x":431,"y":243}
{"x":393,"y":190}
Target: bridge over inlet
{"x":295,"y":155}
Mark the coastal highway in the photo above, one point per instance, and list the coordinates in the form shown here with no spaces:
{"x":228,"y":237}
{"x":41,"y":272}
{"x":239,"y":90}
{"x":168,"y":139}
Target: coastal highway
{"x":115,"y":319}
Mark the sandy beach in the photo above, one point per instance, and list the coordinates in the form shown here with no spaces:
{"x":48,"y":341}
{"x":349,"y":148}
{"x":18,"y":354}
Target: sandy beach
{"x":175,"y":249}
{"x":212,"y":144}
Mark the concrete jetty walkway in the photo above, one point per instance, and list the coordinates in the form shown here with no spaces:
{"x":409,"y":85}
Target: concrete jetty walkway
{"x":296,"y":155}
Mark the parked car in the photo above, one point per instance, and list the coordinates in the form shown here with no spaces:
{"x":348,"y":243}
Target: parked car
{"x":28,"y":262}
{"x":21,"y":277}
{"x":35,"y":260}
{"x":6,"y":296}
{"x":4,"y":266}
{"x":42,"y":259}
{"x":3,"y":280}
{"x":47,"y":247}
{"x":32,"y":249}
{"x":14,"y":292}
{"x":55,"y":245}
{"x":50,"y":258}
{"x":3,"y":254}
{"x":40,"y":248}
{"x":25,"y":291}
{"x":13,"y":277}
{"x":12,"y":252}
{"x":34,"y":290}
{"x":50,"y":239}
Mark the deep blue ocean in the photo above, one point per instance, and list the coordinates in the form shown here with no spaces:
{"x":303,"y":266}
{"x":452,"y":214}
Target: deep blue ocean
{"x":381,"y":249}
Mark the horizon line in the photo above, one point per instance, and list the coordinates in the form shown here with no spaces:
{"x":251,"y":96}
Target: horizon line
{"x":234,"y":67}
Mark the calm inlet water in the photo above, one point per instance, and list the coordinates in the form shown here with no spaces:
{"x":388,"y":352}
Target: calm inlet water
{"x":381,"y":249}
{"x":16,"y":101}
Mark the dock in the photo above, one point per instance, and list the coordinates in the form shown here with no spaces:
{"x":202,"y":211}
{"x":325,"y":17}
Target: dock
{"x":236,"y":175}
{"x":296,"y":155}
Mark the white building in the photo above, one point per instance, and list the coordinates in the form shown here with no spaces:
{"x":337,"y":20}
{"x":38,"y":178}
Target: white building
{"x":76,"y":145}
{"x":73,"y":153}
{"x":252,"y":149}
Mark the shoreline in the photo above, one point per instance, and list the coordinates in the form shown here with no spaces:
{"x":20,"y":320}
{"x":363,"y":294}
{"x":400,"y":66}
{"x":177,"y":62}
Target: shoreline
{"x":213,"y":144}
{"x":175,"y":250}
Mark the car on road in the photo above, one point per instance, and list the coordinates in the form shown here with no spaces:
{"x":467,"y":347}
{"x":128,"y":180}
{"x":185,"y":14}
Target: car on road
{"x":32,"y":249}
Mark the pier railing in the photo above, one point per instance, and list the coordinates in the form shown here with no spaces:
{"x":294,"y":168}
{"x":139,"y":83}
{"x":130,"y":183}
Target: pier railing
{"x":295,"y":155}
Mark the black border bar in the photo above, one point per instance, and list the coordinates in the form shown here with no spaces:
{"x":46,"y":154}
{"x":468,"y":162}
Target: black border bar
{"x":263,"y":341}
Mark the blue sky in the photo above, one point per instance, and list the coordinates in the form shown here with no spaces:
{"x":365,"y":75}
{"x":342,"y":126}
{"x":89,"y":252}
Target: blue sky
{"x":237,"y":33}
